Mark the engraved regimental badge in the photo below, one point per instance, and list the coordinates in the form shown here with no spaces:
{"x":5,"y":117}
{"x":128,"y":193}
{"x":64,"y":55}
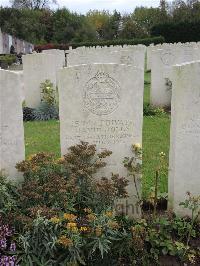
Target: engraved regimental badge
{"x":167,"y":58}
{"x":101,"y":94}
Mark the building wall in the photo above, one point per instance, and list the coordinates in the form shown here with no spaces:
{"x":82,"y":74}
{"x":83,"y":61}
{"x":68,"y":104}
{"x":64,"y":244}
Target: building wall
{"x":21,"y":46}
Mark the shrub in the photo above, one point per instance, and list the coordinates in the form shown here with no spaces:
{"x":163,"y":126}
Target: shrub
{"x":51,"y":186}
{"x":48,"y":108}
{"x":44,"y":189}
{"x":48,"y":46}
{"x":7,"y":245}
{"x":63,"y":215}
{"x":46,"y":112}
{"x":7,"y":59}
{"x":38,"y":243}
{"x":90,"y":238}
{"x":7,"y":196}
{"x":146,"y":41}
{"x":28,"y":114}
{"x":150,"y":110}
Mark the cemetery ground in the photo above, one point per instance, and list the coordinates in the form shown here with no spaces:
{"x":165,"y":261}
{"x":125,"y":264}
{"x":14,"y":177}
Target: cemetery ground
{"x":45,"y":136}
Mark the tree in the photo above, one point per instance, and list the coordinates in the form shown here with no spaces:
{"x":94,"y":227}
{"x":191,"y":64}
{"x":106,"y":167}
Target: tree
{"x":148,"y":17}
{"x":32,"y":4}
{"x":132,"y":29}
{"x":100,"y":20}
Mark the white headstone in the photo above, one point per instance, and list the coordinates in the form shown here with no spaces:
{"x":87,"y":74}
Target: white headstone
{"x":185,"y":135}
{"x":150,"y":48}
{"x":37,"y":68}
{"x":12,"y":148}
{"x":130,"y":55}
{"x":1,"y":42}
{"x":103,"y":104}
{"x":59,"y":55}
{"x":161,"y":66}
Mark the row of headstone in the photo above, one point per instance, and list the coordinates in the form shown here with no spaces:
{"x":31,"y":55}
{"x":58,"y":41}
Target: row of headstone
{"x":103,"y":104}
{"x":161,"y":61}
{"x":44,"y":66}
{"x":130,"y":55}
{"x":99,"y":103}
{"x":168,"y":46}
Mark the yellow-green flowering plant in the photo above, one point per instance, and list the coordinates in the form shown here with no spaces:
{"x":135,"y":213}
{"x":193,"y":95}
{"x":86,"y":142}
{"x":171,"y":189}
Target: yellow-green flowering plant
{"x":134,"y":166}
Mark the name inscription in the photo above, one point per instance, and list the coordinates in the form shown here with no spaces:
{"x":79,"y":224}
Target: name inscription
{"x":101,"y":131}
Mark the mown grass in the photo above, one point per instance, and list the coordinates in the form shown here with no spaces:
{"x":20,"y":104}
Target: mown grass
{"x":44,"y":136}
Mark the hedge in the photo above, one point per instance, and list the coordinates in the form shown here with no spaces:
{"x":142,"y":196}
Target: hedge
{"x":178,"y":32}
{"x":7,"y":59}
{"x":146,"y":41}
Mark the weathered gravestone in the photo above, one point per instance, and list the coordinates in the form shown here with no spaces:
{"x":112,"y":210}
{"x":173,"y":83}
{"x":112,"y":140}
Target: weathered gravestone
{"x":12,"y":148}
{"x":36,"y":69}
{"x":150,"y":48}
{"x":161,"y":84}
{"x":184,"y":175}
{"x":162,"y":61}
{"x":131,"y":55}
{"x":103,"y":104}
{"x":59,"y":57}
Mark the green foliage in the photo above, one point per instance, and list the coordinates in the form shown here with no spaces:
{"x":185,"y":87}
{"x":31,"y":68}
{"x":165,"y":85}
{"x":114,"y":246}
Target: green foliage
{"x":42,"y":26}
{"x":28,"y":114}
{"x":46,"y":112}
{"x":38,"y":244}
{"x":176,"y":21}
{"x":132,"y":29}
{"x":149,"y":110}
{"x":7,"y":59}
{"x":48,"y":108}
{"x":146,"y":41}
{"x":48,"y":92}
{"x":64,"y":216}
{"x":51,"y":186}
{"x":134,"y":166}
{"x":149,"y":17}
{"x":178,"y":31}
{"x":7,"y":196}
{"x":90,"y":238}
{"x":44,"y":188}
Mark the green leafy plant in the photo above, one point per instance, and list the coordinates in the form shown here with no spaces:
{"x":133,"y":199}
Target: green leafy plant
{"x":64,"y":214}
{"x":48,"y":108}
{"x":7,"y":59}
{"x":149,"y":110}
{"x":155,"y":194}
{"x":134,"y":166}
{"x":38,"y":244}
{"x":45,"y":112}
{"x":48,"y":92}
{"x":192,"y":203}
{"x":7,"y":196}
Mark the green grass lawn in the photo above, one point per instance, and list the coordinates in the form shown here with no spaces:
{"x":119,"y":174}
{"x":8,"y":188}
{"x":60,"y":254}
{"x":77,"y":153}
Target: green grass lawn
{"x":44,"y":136}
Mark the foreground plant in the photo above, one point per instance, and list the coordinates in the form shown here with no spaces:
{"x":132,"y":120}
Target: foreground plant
{"x":51,"y":186}
{"x":48,"y":108}
{"x":134,"y":167}
{"x":7,"y":245}
{"x":64,"y":215}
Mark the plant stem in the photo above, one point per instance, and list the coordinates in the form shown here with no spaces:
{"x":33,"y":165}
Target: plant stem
{"x":138,"y":195}
{"x":156,"y":193}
